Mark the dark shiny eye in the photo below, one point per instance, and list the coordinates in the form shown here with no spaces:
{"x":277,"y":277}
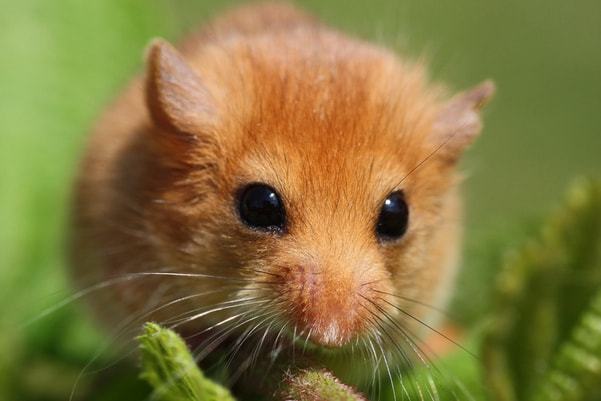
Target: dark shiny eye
{"x":260,"y":207}
{"x":394,"y":217}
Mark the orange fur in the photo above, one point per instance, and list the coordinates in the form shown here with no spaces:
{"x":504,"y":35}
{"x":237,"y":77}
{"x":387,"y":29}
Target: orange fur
{"x":269,"y":94}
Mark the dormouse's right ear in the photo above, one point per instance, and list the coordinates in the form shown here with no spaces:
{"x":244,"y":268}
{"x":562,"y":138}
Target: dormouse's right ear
{"x":458,"y":122}
{"x":175,"y":95}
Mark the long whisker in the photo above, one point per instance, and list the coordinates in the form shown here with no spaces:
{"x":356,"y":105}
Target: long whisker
{"x":189,"y":314}
{"x":409,"y":363}
{"x":376,"y":323}
{"x":393,"y":324}
{"x":307,"y":339}
{"x":248,"y":362}
{"x":121,"y":330}
{"x":205,"y":352}
{"x":375,"y":358}
{"x":218,"y":338}
{"x":247,"y":335}
{"x":294,"y":345}
{"x":119,"y":280}
{"x":432,"y":368}
{"x":379,"y":342}
{"x":415,"y":301}
{"x":276,"y":348}
{"x":396,"y":326}
{"x":253,"y":300}
{"x":412,"y":338}
{"x":429,"y":155}
{"x":258,"y":349}
{"x":430,"y":328}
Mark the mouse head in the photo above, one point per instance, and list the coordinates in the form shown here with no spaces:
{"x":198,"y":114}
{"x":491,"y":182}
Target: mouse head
{"x":321,"y":182}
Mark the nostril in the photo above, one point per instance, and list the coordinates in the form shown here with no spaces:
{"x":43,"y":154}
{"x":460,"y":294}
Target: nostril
{"x":302,"y":283}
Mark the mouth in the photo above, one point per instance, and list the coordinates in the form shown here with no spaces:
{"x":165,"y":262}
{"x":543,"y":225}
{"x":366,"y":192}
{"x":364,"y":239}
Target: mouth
{"x":304,"y":342}
{"x":284,"y":342}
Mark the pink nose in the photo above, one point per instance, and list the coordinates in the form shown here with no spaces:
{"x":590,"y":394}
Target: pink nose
{"x":325,"y":304}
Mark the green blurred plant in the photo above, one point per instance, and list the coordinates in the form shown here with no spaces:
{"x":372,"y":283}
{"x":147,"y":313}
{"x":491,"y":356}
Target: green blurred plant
{"x":317,"y":384}
{"x":543,"y":340}
{"x":168,"y":366}
{"x":576,"y":368}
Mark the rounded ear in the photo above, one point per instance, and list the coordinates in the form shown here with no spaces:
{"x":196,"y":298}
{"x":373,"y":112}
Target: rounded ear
{"x":177,"y":99}
{"x":458,"y":123}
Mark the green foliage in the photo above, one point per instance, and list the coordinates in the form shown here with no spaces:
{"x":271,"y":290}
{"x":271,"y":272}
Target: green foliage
{"x":58,"y":357}
{"x":542,"y":292}
{"x":168,"y":366}
{"x":317,"y":384}
{"x":576,"y":367}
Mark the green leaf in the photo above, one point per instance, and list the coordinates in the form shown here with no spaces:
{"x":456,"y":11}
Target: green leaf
{"x":170,"y":369}
{"x":576,"y":373}
{"x":541,"y":293}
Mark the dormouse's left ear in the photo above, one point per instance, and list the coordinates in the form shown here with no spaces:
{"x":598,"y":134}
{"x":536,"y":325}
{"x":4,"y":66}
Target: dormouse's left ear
{"x":458,"y":123}
{"x":176,"y":97}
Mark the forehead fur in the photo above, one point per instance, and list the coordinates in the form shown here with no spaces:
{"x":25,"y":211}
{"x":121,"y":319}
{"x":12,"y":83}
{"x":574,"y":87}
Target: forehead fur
{"x":311,"y":84}
{"x":310,"y":93}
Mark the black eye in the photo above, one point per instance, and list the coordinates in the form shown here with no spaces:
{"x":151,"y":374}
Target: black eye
{"x":394,"y":217}
{"x":260,"y":207}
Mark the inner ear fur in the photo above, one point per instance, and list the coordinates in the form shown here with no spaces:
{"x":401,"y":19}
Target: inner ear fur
{"x":458,"y":122}
{"x":176,"y":97}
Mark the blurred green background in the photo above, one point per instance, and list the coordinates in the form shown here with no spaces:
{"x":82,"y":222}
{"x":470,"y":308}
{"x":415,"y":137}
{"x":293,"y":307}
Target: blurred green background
{"x":61,"y":61}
